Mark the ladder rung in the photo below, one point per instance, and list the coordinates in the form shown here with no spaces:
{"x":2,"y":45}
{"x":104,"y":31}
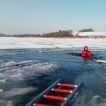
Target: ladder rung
{"x":38,"y":104}
{"x":67,"y":85}
{"x":62,"y":90}
{"x":53,"y":97}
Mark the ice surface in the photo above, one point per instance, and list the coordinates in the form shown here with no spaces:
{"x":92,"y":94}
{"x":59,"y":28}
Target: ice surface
{"x":95,"y":101}
{"x":24,"y":72}
{"x":17,"y":91}
{"x":19,"y":43}
{"x":101,"y":61}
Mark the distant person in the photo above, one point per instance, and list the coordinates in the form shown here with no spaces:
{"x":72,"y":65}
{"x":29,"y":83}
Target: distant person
{"x":85,"y":52}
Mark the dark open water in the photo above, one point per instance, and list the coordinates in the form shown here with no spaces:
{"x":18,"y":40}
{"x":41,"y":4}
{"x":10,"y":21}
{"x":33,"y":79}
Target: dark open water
{"x":19,"y":86}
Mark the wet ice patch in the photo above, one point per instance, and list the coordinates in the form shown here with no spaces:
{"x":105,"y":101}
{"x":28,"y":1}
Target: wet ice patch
{"x":9,"y":103}
{"x":17,"y":91}
{"x":2,"y":78}
{"x":15,"y":76}
{"x":2,"y":81}
{"x":6,"y":103}
{"x":94,"y":101}
{"x":33,"y":70}
{"x":41,"y":68}
{"x":4,"y":64}
{"x":101,"y":61}
{"x":45,"y":66}
{"x":97,"y":101}
{"x":1,"y":90}
{"x":10,"y":63}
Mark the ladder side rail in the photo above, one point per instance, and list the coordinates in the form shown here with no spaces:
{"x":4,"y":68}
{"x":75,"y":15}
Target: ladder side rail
{"x":41,"y":94}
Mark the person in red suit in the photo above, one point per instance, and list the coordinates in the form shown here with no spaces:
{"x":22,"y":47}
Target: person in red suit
{"x":85,"y":52}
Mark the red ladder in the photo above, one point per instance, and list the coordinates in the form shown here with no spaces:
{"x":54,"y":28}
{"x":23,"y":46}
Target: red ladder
{"x":57,"y":94}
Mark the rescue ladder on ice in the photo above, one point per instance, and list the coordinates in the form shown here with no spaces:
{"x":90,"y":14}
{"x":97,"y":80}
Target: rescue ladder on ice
{"x":58,"y":94}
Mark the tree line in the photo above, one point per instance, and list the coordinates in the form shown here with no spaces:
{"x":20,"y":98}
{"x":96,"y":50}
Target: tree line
{"x":46,"y":35}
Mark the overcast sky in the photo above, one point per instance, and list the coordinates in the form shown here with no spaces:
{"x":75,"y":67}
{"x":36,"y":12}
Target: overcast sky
{"x":40,"y":16}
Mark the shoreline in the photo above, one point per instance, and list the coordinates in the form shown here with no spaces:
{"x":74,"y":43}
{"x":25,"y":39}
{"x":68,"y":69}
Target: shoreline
{"x":78,"y":37}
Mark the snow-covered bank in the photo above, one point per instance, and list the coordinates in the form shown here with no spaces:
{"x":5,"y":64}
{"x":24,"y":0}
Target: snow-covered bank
{"x":20,"y":43}
{"x":92,"y":34}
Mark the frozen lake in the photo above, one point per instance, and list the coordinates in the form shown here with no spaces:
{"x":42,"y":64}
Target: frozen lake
{"x":19,"y":85}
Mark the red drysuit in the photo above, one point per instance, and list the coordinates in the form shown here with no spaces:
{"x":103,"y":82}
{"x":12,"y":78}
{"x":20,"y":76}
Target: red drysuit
{"x":86,"y":52}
